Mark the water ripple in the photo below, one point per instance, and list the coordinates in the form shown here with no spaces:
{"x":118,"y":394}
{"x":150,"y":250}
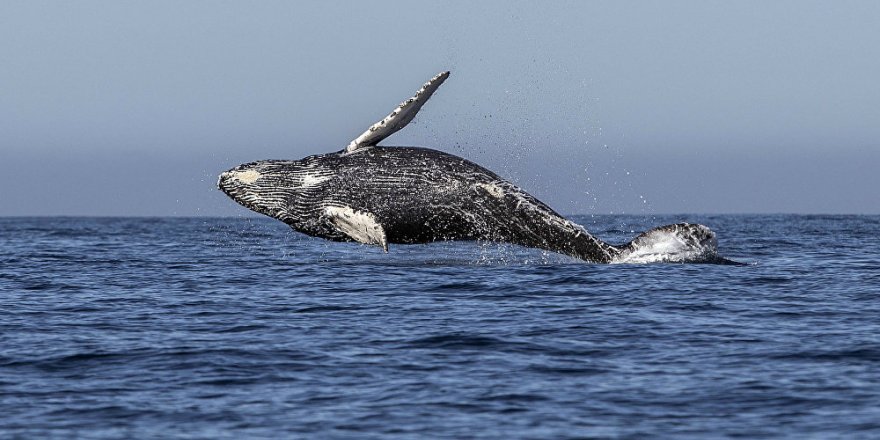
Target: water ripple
{"x":240,"y":328}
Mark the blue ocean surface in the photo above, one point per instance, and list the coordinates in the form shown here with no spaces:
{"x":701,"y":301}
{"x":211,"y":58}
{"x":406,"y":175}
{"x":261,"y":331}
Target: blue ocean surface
{"x":242,"y":328}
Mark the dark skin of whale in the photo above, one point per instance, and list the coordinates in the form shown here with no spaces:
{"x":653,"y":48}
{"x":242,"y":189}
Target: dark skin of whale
{"x":404,"y":195}
{"x":417,"y":195}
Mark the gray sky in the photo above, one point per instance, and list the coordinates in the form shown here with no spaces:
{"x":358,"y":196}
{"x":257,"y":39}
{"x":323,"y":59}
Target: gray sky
{"x":133,"y":108}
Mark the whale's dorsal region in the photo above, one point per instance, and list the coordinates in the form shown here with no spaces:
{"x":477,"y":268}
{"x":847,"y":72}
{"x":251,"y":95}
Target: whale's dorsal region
{"x":379,"y":195}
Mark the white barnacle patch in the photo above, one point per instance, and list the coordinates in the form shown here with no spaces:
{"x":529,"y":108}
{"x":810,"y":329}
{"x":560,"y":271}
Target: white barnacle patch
{"x":493,"y":189}
{"x":249,"y":176}
{"x":362,"y":227}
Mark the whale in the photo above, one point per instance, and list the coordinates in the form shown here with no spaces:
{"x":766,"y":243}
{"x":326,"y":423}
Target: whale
{"x":384,"y":195}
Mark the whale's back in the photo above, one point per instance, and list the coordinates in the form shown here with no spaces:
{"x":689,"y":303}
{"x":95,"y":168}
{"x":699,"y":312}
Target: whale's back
{"x":423,"y":195}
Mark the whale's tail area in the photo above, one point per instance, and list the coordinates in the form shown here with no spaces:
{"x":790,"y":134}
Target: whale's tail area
{"x":676,"y":243}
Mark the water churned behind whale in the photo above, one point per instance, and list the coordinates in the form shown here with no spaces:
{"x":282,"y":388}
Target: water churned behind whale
{"x":380,"y":195}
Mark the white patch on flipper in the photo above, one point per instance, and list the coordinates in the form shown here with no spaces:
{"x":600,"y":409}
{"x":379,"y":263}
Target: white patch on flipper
{"x":361,"y":226}
{"x":402,"y":115}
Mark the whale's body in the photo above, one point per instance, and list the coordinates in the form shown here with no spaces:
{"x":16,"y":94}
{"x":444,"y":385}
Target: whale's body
{"x":405,"y":195}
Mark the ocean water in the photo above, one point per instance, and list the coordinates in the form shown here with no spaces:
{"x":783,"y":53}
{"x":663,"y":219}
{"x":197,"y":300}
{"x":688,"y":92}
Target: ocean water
{"x":242,"y":328}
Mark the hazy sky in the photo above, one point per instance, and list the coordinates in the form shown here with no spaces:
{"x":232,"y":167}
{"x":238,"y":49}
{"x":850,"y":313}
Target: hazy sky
{"x":133,"y":108}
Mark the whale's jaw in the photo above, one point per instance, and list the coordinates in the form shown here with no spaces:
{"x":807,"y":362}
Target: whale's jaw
{"x":258,"y":187}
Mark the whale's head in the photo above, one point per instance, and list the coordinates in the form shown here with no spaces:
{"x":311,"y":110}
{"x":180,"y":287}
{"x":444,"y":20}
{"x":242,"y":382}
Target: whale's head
{"x":274,"y":187}
{"x":678,"y":243}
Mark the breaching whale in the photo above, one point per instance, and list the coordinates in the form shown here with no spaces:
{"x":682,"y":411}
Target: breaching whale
{"x":381,"y":195}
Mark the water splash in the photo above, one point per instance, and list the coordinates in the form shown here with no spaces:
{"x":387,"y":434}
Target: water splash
{"x":678,"y":243}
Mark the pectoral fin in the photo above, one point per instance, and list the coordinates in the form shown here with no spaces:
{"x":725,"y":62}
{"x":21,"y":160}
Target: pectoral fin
{"x":402,"y":115}
{"x":360,"y":226}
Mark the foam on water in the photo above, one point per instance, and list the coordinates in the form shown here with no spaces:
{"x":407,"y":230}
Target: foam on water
{"x":679,"y":243}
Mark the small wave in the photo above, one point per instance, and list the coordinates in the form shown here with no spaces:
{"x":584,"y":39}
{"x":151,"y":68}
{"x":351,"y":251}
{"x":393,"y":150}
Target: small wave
{"x":457,"y":287}
{"x":52,"y":256}
{"x":514,"y":398}
{"x":72,"y":233}
{"x":457,"y":341}
{"x":45,"y":286}
{"x":867,"y":354}
{"x":566,"y":370}
{"x":322,"y":309}
{"x":242,"y":328}
{"x":461,"y":341}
